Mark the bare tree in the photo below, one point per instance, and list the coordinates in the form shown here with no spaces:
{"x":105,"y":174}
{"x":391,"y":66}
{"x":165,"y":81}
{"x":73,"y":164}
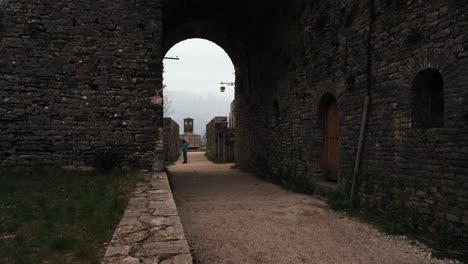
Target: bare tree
{"x":167,"y":102}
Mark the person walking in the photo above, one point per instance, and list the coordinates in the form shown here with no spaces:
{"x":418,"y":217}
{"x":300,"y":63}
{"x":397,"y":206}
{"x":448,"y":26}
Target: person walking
{"x":184,"y":150}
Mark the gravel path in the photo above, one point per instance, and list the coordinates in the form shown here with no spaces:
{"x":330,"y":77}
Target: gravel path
{"x":233,"y":217}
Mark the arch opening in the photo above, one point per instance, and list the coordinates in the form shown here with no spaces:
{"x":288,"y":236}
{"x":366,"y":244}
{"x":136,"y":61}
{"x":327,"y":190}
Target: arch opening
{"x":193,"y":72}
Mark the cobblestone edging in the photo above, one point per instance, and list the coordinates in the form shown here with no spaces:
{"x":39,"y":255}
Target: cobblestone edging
{"x":150,"y":230}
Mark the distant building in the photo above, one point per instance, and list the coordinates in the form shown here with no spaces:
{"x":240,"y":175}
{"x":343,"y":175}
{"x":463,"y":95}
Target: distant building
{"x":192,"y":139}
{"x":188,"y":125}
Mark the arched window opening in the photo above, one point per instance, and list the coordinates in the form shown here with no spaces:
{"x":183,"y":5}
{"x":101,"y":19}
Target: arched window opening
{"x":428,"y":99}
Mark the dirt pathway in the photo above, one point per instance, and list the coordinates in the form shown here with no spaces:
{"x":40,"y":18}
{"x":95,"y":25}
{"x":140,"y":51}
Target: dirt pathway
{"x":233,"y":217}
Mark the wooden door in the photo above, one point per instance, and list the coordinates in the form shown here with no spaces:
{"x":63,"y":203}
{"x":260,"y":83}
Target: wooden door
{"x":331,"y":141}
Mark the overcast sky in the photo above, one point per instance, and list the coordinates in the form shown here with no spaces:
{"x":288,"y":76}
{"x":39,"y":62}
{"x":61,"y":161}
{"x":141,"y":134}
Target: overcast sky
{"x":193,"y":82}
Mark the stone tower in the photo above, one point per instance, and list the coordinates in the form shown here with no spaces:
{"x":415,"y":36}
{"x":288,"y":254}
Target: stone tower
{"x":188,"y":126}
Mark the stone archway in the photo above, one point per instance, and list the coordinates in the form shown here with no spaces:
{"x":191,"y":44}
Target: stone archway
{"x":217,"y":34}
{"x":225,"y":39}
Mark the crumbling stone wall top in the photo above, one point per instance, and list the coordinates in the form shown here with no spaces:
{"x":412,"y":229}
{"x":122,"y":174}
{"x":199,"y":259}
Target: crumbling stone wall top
{"x":150,"y":230}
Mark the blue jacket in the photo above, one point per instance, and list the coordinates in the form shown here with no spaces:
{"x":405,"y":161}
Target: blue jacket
{"x":185,"y":147}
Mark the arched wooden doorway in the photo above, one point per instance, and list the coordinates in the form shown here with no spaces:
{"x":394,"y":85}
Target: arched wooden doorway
{"x":330,"y":138}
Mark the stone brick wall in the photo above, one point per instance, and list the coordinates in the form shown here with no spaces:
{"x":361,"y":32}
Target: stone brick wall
{"x":220,"y":139}
{"x":229,"y":142}
{"x":77,"y":77}
{"x":232,"y":116}
{"x":171,"y":139}
{"x":316,"y":49}
{"x":212,"y":129}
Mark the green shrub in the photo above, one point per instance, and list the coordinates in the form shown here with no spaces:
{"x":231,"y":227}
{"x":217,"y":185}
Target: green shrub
{"x":352,"y":14}
{"x":60,"y":216}
{"x":322,"y":21}
{"x":106,"y":159}
{"x":211,"y":157}
{"x":414,"y":36}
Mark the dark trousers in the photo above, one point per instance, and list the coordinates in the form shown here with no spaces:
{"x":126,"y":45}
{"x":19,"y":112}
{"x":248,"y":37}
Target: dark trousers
{"x":185,"y":156}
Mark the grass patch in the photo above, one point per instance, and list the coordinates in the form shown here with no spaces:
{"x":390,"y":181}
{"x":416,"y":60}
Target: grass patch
{"x":60,"y":216}
{"x":399,"y":221}
{"x":213,"y":158}
{"x":168,"y":172}
{"x":106,"y":159}
{"x":298,"y":184}
{"x":387,"y":225}
{"x":390,"y":216}
{"x":173,"y":160}
{"x":170,"y":179}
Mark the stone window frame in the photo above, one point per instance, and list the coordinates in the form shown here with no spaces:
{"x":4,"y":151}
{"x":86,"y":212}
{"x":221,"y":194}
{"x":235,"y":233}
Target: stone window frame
{"x":428,"y":99}
{"x":440,"y":59}
{"x":323,"y":103}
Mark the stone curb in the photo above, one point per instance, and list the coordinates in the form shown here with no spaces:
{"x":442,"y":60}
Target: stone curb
{"x":150,"y":230}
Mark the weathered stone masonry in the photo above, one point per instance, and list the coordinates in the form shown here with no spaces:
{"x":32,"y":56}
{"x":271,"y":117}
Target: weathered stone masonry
{"x":317,"y":48}
{"x":78,"y":77}
{"x":220,"y":143}
{"x":171,"y":140}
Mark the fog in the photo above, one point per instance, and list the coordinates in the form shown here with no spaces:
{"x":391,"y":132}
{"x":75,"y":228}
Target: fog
{"x":193,"y":82}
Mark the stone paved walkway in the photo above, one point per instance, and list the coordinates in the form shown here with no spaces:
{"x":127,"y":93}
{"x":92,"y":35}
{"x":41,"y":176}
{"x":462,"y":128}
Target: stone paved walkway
{"x":150,"y":231}
{"x":232,"y":217}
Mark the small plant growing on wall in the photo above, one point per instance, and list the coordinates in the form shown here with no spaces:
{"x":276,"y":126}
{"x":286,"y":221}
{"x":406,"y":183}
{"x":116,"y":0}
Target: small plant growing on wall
{"x":394,"y":2}
{"x":106,"y":159}
{"x":351,"y":14}
{"x":1,"y":20}
{"x":456,"y":4}
{"x":322,"y":21}
{"x":414,"y":36}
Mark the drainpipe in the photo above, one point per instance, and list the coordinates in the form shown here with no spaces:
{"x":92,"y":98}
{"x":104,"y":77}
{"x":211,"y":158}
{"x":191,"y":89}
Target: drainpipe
{"x":365,"y":111}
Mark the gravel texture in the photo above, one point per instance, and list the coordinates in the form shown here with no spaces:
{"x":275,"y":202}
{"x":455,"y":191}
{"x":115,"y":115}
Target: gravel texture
{"x":232,"y":217}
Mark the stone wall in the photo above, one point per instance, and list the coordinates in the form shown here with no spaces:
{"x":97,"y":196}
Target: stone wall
{"x":220,"y":140}
{"x":171,"y":139}
{"x":318,"y":48}
{"x":211,"y":137}
{"x":229,"y":145}
{"x":232,"y":116}
{"x":150,"y":230}
{"x":79,"y":77}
